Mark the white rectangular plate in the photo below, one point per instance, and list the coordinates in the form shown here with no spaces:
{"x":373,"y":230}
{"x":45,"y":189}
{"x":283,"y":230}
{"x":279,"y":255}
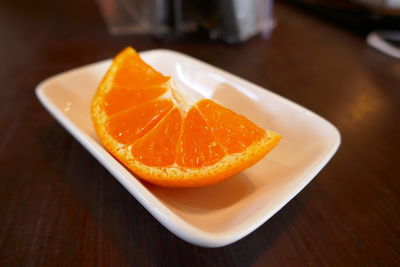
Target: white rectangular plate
{"x":221,"y":214}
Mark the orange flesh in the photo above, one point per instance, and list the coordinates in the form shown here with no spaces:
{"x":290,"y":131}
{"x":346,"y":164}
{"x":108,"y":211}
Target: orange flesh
{"x":132,"y":72}
{"x":197,"y":148}
{"x":200,"y":142}
{"x":155,"y":131}
{"x":158,"y":147}
{"x":132,"y":112}
{"x":121,"y":98}
{"x":234,"y":132}
{"x":128,"y":126}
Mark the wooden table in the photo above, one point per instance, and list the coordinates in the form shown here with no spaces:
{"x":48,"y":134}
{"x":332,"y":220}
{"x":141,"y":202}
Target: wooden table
{"x":59,"y":206}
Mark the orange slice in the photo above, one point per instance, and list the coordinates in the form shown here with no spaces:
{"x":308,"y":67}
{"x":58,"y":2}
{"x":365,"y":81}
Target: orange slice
{"x":148,"y":125}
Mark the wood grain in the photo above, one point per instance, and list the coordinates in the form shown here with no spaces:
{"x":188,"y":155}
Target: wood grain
{"x":59,"y":206}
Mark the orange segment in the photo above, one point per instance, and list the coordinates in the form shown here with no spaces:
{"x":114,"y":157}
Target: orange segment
{"x":128,"y":126}
{"x":197,"y":147}
{"x":234,"y":132}
{"x":137,"y":116}
{"x":121,"y":98}
{"x":134,"y":72}
{"x":158,"y":147}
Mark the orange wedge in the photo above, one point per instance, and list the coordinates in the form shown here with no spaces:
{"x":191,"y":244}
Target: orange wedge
{"x":146,"y":124}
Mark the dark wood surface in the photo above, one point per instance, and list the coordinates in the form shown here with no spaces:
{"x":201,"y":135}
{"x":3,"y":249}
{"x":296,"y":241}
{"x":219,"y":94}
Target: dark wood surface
{"x":59,"y":206}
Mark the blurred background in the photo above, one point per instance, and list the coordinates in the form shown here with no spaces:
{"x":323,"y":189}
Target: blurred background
{"x":235,"y":21}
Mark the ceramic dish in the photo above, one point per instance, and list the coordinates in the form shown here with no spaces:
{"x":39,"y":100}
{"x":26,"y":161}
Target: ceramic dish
{"x":221,"y":214}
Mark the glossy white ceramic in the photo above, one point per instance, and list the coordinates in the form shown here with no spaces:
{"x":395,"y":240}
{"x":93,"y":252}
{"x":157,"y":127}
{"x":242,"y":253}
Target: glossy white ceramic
{"x":221,"y":214}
